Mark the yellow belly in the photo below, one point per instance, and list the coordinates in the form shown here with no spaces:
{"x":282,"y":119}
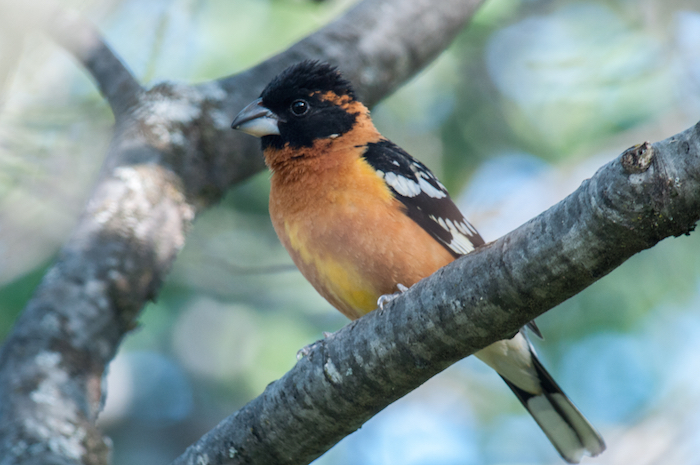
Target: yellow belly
{"x":335,"y":278}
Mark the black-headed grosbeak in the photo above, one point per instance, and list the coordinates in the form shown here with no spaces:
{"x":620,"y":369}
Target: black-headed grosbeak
{"x":362,"y":218}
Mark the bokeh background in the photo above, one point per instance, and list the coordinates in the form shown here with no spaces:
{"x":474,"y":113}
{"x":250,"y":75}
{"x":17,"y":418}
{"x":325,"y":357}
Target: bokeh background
{"x":531,"y":99}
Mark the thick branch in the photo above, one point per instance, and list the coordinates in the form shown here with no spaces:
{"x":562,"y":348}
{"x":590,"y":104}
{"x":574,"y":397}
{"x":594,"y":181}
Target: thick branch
{"x":172,"y":155}
{"x":645,"y":195}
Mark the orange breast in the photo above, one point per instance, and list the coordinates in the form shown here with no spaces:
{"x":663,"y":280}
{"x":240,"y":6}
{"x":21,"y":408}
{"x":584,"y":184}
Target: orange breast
{"x":347,"y":234}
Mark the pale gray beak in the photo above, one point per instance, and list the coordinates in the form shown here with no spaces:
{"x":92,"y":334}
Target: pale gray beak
{"x":257,"y":120}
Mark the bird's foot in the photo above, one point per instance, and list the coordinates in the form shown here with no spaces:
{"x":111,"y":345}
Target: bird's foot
{"x":386,"y":298}
{"x":306,"y":350}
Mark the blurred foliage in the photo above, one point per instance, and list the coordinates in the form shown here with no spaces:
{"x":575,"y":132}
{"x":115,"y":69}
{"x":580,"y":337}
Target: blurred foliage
{"x":530,"y":100}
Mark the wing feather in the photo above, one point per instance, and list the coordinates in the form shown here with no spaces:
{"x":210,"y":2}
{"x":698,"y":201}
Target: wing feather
{"x":426,"y":200}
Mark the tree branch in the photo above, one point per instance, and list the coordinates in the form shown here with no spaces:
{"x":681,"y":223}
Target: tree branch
{"x":646,"y":194}
{"x":116,"y":83}
{"x":172,"y":155}
{"x":372,"y":28}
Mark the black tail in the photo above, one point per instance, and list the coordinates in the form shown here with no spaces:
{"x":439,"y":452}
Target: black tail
{"x":568,"y":430}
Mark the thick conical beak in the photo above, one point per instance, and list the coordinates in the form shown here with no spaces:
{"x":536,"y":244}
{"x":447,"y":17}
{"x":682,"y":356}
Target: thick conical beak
{"x":256,"y":120}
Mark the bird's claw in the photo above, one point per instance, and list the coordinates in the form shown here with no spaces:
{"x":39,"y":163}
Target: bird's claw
{"x":306,"y":350}
{"x":386,"y":298}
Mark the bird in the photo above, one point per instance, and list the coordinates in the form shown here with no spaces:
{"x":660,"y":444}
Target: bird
{"x":363,"y":220}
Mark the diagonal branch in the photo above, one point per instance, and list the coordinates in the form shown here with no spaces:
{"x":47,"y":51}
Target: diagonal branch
{"x":645,"y":195}
{"x":383,"y":63}
{"x":172,"y":155}
{"x":79,"y":37}
{"x":82,"y":40}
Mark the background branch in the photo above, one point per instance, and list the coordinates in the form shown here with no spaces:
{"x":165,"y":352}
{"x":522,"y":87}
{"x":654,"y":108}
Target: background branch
{"x":78,"y":36}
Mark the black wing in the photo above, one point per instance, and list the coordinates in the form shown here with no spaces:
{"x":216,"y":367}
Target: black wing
{"x":425,"y":198}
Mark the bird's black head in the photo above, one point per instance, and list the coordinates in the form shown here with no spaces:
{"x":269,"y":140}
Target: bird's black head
{"x":306,"y":102}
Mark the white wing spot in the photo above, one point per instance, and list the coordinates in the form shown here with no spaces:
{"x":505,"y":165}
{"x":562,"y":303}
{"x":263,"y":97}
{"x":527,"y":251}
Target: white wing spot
{"x":402,"y":185}
{"x":460,"y":243}
{"x":395,"y":162}
{"x":462,"y":228}
{"x":429,"y":189}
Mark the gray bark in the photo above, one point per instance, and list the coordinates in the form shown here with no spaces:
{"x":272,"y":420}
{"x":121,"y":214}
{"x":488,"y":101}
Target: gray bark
{"x":172,"y":155}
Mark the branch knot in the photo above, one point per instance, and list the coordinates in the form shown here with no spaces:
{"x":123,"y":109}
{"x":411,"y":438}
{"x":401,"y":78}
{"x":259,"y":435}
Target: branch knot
{"x":638,"y":158}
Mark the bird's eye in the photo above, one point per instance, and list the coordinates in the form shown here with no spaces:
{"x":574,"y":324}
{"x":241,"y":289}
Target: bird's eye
{"x":299,"y":107}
